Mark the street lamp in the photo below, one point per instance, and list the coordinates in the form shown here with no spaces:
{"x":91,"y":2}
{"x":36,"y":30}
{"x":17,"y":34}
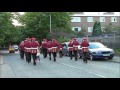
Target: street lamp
{"x":50,"y":24}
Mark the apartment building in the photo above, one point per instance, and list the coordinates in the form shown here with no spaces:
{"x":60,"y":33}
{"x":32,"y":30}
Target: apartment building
{"x":86,"y":20}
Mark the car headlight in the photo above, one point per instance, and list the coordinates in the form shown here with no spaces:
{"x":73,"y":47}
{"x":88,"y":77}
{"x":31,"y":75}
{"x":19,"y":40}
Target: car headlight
{"x":112,"y":52}
{"x":94,"y":52}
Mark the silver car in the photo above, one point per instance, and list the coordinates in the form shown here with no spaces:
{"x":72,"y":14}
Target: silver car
{"x":98,"y":50}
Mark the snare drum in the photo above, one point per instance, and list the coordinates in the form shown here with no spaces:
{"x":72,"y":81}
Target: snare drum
{"x":28,"y":49}
{"x":49,"y":49}
{"x":75,"y":47}
{"x":60,"y":49}
{"x":54,"y":49}
{"x":70,"y":48}
{"x":33,"y":50}
{"x":85,"y":49}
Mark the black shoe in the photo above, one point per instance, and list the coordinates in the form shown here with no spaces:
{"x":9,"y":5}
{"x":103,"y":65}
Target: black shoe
{"x":54,"y":60}
{"x":34,"y":63}
{"x":50,"y":59}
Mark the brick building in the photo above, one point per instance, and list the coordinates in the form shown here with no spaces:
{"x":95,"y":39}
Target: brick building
{"x":86,"y":20}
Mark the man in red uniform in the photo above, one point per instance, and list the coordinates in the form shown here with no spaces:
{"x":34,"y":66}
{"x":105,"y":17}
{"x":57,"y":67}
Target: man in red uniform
{"x":28,"y":54}
{"x":70,"y":46}
{"x":84,"y":46}
{"x":21,"y":49}
{"x":75,"y":48}
{"x":54,"y":48}
{"x":34,"y":45}
{"x":49,"y":48}
{"x":44,"y":48}
{"x":60,"y":47}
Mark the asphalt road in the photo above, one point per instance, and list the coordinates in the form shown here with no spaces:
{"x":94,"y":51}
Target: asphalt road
{"x":11,"y":66}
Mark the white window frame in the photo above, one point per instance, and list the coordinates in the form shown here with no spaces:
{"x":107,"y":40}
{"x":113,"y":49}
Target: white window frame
{"x":112,"y":19}
{"x":79,"y":29}
{"x":75,"y":19}
{"x":89,"y":19}
{"x":102,"y":19}
{"x":102,"y":29}
{"x":90,"y":29}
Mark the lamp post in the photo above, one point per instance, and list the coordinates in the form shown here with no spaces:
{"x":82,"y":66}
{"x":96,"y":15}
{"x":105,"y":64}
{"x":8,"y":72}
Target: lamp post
{"x":50,"y":24}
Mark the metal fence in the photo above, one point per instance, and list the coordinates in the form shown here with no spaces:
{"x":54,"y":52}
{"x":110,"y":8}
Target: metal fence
{"x":109,"y":41}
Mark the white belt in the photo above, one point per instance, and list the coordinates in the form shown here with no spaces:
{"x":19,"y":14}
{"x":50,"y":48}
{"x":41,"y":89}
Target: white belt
{"x":54,"y":47}
{"x":70,"y":47}
{"x":49,"y":48}
{"x":75,"y":46}
{"x":31,"y":48}
{"x":84,"y":47}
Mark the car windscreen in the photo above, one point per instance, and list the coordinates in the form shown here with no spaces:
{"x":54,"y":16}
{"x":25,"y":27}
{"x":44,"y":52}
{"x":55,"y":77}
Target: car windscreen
{"x":96,"y":45}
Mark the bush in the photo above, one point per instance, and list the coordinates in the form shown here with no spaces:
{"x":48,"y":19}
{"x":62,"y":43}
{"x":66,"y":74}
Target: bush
{"x":63,"y":39}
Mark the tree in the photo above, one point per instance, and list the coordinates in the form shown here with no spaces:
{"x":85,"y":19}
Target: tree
{"x":7,"y":32}
{"x":97,"y":29}
{"x":37,"y":24}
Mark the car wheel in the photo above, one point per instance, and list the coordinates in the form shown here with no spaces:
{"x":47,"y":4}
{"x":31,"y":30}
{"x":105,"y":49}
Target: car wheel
{"x":111,"y":58}
{"x":91,"y":57}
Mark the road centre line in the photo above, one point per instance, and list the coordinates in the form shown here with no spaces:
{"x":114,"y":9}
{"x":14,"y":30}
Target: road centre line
{"x":83,"y":70}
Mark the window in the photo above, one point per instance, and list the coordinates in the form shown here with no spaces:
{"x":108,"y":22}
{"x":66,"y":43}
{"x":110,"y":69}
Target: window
{"x":113,"y":19}
{"x":102,"y":19}
{"x":75,"y":19}
{"x":103,"y":29}
{"x":89,"y":19}
{"x":77,"y":29}
{"x":90,"y":29}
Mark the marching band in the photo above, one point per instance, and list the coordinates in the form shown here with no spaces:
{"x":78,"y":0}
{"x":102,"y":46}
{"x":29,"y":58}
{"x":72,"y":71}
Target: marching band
{"x":30,"y":47}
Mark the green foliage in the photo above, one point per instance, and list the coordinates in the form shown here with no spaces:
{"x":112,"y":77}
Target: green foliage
{"x":63,"y":39}
{"x":7,"y":29}
{"x":97,"y":29}
{"x":37,"y":24}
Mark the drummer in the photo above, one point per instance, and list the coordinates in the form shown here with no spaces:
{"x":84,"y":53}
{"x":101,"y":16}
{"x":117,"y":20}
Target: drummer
{"x":27,"y":47}
{"x":34,"y":48}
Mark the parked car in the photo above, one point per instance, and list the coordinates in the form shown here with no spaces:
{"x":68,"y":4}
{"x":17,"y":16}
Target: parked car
{"x":65,"y":49}
{"x":11,"y":49}
{"x":98,"y":51}
{"x":16,"y":47}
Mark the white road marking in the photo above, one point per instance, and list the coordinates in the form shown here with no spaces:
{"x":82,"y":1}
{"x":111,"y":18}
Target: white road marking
{"x":84,"y":70}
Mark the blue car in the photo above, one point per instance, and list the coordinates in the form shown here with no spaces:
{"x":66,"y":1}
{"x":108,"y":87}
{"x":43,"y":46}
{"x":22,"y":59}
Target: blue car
{"x":98,"y":51}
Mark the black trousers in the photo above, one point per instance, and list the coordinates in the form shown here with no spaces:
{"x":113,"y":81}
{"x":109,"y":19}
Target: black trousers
{"x":25,"y":55}
{"x":28,"y":57}
{"x":60,"y":53}
{"x":70,"y":53}
{"x":22,"y":54}
{"x":34,"y":58}
{"x":85,"y":57}
{"x":44,"y":52}
{"x":50,"y":55}
{"x":54,"y":56}
{"x":75,"y":54}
